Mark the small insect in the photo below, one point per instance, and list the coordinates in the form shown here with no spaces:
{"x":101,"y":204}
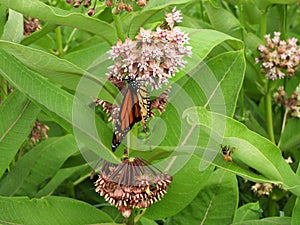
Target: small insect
{"x":134,"y":108}
{"x":227,"y":151}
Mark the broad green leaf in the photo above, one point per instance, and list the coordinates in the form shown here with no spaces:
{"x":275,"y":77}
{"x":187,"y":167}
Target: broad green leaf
{"x":146,"y":221}
{"x":58,"y":70}
{"x":248,"y":211}
{"x":215,"y":204}
{"x":216,"y":16}
{"x":13,"y":30}
{"x":216,"y":83}
{"x":87,"y":57}
{"x":37,"y":9}
{"x":30,"y":174}
{"x":41,"y":34}
{"x":2,"y":19}
{"x":263,"y":5}
{"x":267,"y":221}
{"x":186,"y":184}
{"x":58,"y":178}
{"x":290,"y":139}
{"x":296,"y":212}
{"x":254,"y":120}
{"x":67,"y":74}
{"x":17,"y":116}
{"x":76,"y":115}
{"x":50,"y":210}
{"x":150,"y":12}
{"x":203,"y":41}
{"x":251,"y":149}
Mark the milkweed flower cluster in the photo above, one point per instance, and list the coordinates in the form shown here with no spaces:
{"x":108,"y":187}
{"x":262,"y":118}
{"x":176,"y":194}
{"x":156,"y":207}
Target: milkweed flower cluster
{"x":31,"y":25}
{"x":279,"y":58}
{"x":292,"y":102}
{"x":132,"y":184}
{"x":154,"y":57}
{"x":266,"y":188}
{"x":38,"y":132}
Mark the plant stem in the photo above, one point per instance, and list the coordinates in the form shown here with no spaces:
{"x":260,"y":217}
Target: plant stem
{"x":269,"y":116}
{"x":242,"y":24}
{"x":59,"y":44}
{"x":79,"y":180}
{"x":283,"y":124}
{"x":272,"y":208}
{"x":284,"y":21}
{"x":130,"y":219}
{"x":267,"y":97}
{"x":263,"y":27}
{"x":119,"y":27}
{"x":70,"y":190}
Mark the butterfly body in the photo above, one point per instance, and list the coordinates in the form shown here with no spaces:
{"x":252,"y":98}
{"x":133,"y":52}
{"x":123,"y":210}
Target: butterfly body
{"x":134,"y":108}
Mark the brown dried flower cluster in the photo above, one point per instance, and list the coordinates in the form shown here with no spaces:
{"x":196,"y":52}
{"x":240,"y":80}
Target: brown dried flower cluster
{"x":118,"y":5}
{"x":262,"y":188}
{"x":38,"y":132}
{"x":292,"y":103}
{"x":279,"y":58}
{"x":131,"y":184}
{"x":31,"y":25}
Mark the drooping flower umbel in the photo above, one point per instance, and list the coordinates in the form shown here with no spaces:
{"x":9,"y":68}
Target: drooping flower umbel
{"x":132,"y":184}
{"x":279,"y":58}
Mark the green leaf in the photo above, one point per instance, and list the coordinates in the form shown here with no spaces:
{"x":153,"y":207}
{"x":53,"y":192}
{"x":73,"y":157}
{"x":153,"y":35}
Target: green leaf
{"x":37,"y":9}
{"x":2,"y":19}
{"x":49,"y":210}
{"x":217,"y":83}
{"x":186,"y":184}
{"x":30,"y":174}
{"x":296,"y":212}
{"x":215,"y":204}
{"x":145,"y":221}
{"x":251,"y":149}
{"x":248,"y":211}
{"x":58,"y":178}
{"x":263,"y":5}
{"x":203,"y":41}
{"x":89,"y":56}
{"x":154,"y":10}
{"x":289,"y":138}
{"x":75,"y":115}
{"x":67,"y":74}
{"x":13,"y":29}
{"x":17,"y":116}
{"x":267,"y":221}
{"x":216,"y":16}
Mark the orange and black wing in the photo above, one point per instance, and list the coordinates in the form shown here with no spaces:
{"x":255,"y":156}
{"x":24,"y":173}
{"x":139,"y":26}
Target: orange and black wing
{"x":134,"y":108}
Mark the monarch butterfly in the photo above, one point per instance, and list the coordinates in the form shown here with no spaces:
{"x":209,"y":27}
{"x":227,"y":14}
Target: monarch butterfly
{"x":134,"y":108}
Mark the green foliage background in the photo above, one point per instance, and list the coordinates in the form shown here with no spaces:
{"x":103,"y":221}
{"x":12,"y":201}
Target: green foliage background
{"x":48,"y":183}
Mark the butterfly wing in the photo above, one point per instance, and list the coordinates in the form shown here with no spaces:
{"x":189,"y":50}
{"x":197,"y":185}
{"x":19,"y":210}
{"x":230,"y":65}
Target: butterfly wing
{"x":134,"y":108}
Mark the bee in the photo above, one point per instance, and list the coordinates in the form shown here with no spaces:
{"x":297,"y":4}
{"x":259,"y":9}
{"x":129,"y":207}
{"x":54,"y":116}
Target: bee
{"x":227,"y":151}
